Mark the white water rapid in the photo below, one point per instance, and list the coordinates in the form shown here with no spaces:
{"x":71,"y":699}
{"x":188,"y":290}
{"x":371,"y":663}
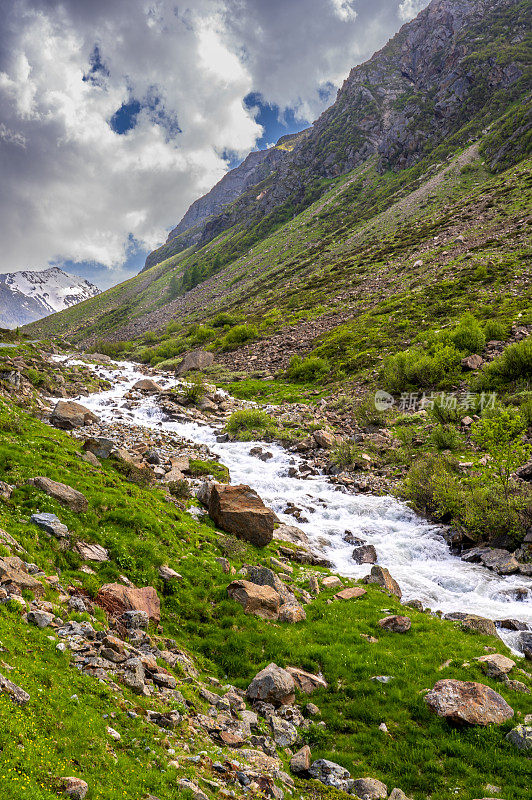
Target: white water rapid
{"x":412,"y":549}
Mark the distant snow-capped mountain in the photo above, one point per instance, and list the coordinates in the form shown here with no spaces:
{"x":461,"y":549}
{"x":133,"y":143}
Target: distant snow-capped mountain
{"x":27,"y":296}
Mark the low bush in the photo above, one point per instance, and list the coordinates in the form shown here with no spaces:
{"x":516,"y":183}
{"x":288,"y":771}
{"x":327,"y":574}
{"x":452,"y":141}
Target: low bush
{"x":513,"y":367}
{"x":495,"y":330}
{"x":238,"y":335}
{"x":446,"y":437}
{"x":194,"y":390}
{"x":421,"y":369}
{"x":307,"y":370}
{"x":468,"y":336}
{"x":245,"y":422}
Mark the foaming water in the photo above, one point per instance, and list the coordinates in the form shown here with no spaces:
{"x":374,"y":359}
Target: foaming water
{"x":411,"y":548}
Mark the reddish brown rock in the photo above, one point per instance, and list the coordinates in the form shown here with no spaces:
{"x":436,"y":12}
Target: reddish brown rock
{"x":395,"y":623}
{"x":468,"y":703}
{"x":263,"y":601}
{"x":117,"y":599}
{"x":61,"y":491}
{"x":239,"y":510}
{"x":351,"y":593}
{"x":300,"y":761}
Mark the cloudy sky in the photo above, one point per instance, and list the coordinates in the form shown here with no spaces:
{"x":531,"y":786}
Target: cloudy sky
{"x":116,"y":114}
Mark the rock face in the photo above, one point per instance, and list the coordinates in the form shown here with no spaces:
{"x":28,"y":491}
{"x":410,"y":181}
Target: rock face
{"x":195,"y":360}
{"x":272,"y":685}
{"x":118,"y":599}
{"x":239,"y":510}
{"x":382,"y":577}
{"x":66,"y":495}
{"x":263,"y":601}
{"x":69,"y":415}
{"x":468,"y":703}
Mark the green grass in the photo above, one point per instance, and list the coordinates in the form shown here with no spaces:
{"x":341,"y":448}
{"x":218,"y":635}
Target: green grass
{"x":422,"y":755}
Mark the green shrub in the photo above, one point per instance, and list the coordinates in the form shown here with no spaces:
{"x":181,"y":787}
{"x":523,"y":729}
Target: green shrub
{"x":238,"y":335}
{"x":250,"y":421}
{"x":179,"y":489}
{"x":495,"y":330}
{"x":307,"y":370}
{"x":222,"y":319}
{"x":347,"y":454}
{"x":468,"y":336}
{"x":194,"y":389}
{"x":418,"y":369}
{"x":445,"y":437}
{"x":513,"y":366}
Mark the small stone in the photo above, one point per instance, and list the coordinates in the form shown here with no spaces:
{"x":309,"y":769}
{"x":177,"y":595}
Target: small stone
{"x":75,"y":788}
{"x":331,"y":582}
{"x":17,"y":694}
{"x":40,"y":618}
{"x":51,"y":524}
{"x":369,"y":789}
{"x":351,"y":593}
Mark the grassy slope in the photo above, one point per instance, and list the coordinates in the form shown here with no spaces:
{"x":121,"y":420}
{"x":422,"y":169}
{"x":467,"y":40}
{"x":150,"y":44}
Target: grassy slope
{"x":421,"y":754}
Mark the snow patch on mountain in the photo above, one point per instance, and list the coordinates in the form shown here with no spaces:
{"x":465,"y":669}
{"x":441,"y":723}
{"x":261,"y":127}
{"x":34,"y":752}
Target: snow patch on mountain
{"x":27,"y":295}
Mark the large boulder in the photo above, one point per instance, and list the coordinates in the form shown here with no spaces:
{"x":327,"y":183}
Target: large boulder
{"x":468,"y":703}
{"x":263,"y":601}
{"x":496,"y":665}
{"x":147,"y":386}
{"x":117,"y":599}
{"x":330,"y":773}
{"x":69,"y":415}
{"x":369,"y":789}
{"x":61,"y":491}
{"x":273,"y":685}
{"x":100,"y":446}
{"x":291,"y":533}
{"x":382,"y":577}
{"x":195,"y":360}
{"x":300,"y":761}
{"x":240,"y":511}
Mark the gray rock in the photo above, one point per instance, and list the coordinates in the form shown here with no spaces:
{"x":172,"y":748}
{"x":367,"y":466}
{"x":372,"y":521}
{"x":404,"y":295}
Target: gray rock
{"x":17,"y":694}
{"x":75,"y":788}
{"x":51,"y":524}
{"x":366,"y":554}
{"x":368,"y":789}
{"x":283,"y":732}
{"x":195,"y":360}
{"x":272,"y":685}
{"x":65,"y":494}
{"x":521,"y":737}
{"x":300,"y":761}
{"x":330,"y":773}
{"x":40,"y":618}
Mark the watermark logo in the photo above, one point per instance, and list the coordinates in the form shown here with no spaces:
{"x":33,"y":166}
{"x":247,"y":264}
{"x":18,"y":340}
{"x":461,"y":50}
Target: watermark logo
{"x":383,"y":400}
{"x":417,"y":401}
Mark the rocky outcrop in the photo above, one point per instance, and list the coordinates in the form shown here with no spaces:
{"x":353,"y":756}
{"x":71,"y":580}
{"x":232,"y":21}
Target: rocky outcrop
{"x":239,"y":510}
{"x":468,"y":703}
{"x":13,"y":573}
